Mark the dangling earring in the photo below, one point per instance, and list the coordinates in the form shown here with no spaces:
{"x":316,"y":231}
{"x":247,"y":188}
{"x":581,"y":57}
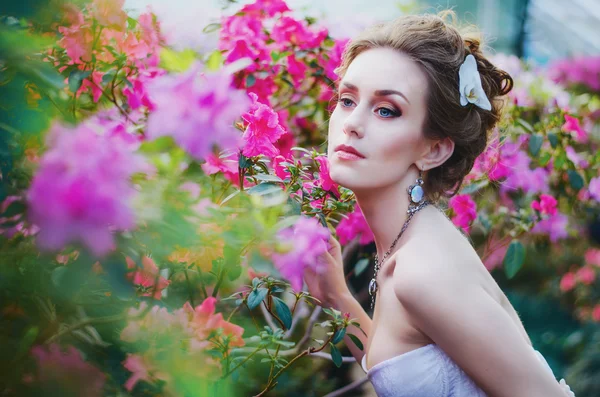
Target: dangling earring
{"x":416,"y":195}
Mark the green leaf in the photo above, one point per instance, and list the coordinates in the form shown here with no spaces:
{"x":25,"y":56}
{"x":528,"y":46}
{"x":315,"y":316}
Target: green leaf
{"x":250,"y":80}
{"x":213,"y":27}
{"x":283,"y":312}
{"x":356,"y":341}
{"x":338,"y":336}
{"x":360,"y":266}
{"x":525,"y":125}
{"x":575,"y":180}
{"x":175,"y":61}
{"x":215,"y":60}
{"x":553,"y":138}
{"x":535,"y":144}
{"x":256,"y":297}
{"x":514,"y":258}
{"x":264,"y":189}
{"x":336,"y":355}
{"x":58,"y":275}
{"x":76,"y":78}
{"x":474,"y":187}
{"x":545,"y":159}
{"x":268,"y":178}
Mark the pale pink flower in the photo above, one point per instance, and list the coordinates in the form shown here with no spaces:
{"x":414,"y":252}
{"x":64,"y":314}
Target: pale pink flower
{"x":546,"y":205}
{"x":82,"y":191}
{"x":465,"y":211}
{"x":579,"y":161}
{"x":110,"y":13}
{"x":135,"y":364}
{"x":305,"y":242}
{"x":572,"y":125}
{"x":198,"y":112}
{"x":262,"y":130}
{"x":585,"y":275}
{"x":594,"y":188}
{"x":568,"y":282}
{"x":353,"y":225}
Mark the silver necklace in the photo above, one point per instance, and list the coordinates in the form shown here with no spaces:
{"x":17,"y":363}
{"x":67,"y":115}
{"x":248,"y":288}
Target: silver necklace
{"x":373,"y":287}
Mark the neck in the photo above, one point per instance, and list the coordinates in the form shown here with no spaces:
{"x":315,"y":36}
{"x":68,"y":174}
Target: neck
{"x":385,"y":210}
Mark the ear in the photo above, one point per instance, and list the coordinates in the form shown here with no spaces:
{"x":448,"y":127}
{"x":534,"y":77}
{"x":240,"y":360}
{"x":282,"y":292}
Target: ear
{"x":436,"y":153}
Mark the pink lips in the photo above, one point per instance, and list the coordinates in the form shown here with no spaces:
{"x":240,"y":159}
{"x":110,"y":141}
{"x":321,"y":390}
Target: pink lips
{"x":346,"y":152}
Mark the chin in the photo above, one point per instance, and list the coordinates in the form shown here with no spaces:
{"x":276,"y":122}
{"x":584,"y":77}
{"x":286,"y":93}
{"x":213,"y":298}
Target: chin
{"x":345,"y":177}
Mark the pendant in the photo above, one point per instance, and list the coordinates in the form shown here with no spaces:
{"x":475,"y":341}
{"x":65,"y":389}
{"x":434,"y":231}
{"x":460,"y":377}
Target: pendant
{"x":372,"y":287}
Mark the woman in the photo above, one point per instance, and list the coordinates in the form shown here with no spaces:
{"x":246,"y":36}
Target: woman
{"x":416,"y":101}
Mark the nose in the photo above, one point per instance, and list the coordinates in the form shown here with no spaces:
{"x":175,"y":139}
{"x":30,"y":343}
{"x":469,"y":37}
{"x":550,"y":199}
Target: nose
{"x":353,"y":124}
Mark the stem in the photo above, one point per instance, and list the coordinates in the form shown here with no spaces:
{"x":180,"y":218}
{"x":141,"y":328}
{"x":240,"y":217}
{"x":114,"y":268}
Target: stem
{"x":84,"y":323}
{"x":202,"y":283}
{"x":274,"y":316}
{"x":187,"y":279}
{"x":240,"y":364}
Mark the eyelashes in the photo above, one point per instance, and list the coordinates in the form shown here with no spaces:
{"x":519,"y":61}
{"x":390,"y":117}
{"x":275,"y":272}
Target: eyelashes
{"x":382,"y":111}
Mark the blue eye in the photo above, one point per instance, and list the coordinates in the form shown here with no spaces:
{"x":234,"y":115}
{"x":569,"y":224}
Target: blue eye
{"x":345,"y":102}
{"x":387,"y":113}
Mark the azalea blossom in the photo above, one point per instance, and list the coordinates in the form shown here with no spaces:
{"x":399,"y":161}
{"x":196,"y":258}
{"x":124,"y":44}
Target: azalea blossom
{"x":197,"y":111}
{"x":465,"y":211}
{"x":262,"y":130}
{"x":303,"y":244}
{"x":82,"y":191}
{"x":568,"y":281}
{"x":110,"y":13}
{"x":354,"y":225}
{"x":325,"y":181}
{"x":147,"y":277}
{"x":546,"y":205}
{"x":594,"y":188}
{"x":572,"y":125}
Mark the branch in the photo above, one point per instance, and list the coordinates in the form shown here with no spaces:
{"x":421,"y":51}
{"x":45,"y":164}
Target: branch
{"x":268,"y":317}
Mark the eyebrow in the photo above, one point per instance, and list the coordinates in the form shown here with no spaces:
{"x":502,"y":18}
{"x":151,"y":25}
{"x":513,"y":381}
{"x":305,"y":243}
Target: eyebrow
{"x":378,"y":92}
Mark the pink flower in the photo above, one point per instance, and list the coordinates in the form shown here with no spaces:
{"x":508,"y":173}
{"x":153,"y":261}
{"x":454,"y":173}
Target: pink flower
{"x":572,"y":125}
{"x":495,"y":258}
{"x":352,"y":226}
{"x":306,"y":241}
{"x":325,"y":181}
{"x":596,"y":313}
{"x":81,"y":192}
{"x":335,"y":58}
{"x":579,"y":161}
{"x":135,"y":363}
{"x":77,"y":41}
{"x":203,"y":321}
{"x":546,"y":205}
{"x":147,"y":277}
{"x":286,"y":142}
{"x":110,"y":13}
{"x":592,"y":257}
{"x":228,"y":165}
{"x":66,"y":373}
{"x":297,"y":69}
{"x":568,"y":282}
{"x":265,"y":8}
{"x":289,"y":31}
{"x":197,"y":112}
{"x":280,"y":169}
{"x":585,"y":275}
{"x":465,"y":211}
{"x":262,"y":130}
{"x":594,"y":188}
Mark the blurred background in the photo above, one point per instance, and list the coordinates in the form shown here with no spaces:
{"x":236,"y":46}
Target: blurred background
{"x":539,"y":30}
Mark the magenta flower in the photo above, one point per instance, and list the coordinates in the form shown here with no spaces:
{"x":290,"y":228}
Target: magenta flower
{"x":289,"y":31}
{"x":594,"y":188}
{"x":546,"y":205}
{"x":572,"y":125}
{"x":66,"y":373}
{"x":352,"y":226}
{"x":335,"y":58}
{"x":262,"y":130}
{"x":306,"y":241}
{"x":197,"y":111}
{"x":568,"y":282}
{"x":325,"y":181}
{"x":81,"y":191}
{"x":265,"y":8}
{"x":297,"y":69}
{"x":555,"y":227}
{"x":465,"y":211}
{"x":228,"y":165}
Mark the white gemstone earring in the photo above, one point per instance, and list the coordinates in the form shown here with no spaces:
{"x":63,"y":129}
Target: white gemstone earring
{"x":417,"y":194}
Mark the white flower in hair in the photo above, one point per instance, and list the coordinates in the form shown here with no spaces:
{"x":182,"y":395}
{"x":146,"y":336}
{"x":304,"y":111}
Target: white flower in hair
{"x":469,"y":82}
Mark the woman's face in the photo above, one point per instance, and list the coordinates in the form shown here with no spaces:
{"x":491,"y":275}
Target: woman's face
{"x":380,"y":114}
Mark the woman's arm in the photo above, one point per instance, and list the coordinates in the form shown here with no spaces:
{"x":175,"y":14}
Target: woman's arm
{"x":474,"y":330}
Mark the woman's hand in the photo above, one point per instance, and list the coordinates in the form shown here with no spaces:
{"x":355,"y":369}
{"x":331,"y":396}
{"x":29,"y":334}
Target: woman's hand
{"x":329,"y":284}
